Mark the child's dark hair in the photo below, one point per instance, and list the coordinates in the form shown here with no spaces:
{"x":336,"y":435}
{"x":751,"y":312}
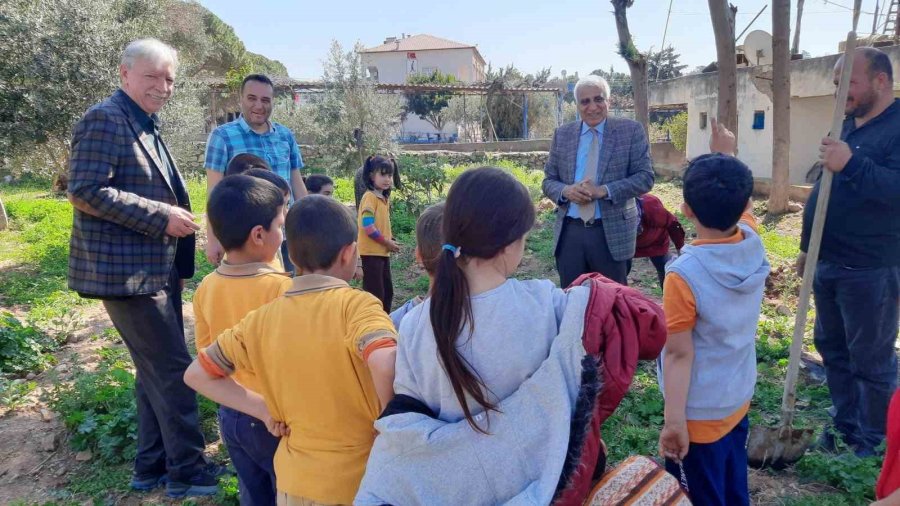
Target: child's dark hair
{"x":378,"y":163}
{"x":243,"y":162}
{"x":271,"y":177}
{"x":318,"y":227}
{"x":486,"y":211}
{"x":315,"y":182}
{"x":717,"y":187}
{"x":428,"y":236}
{"x":238,"y":204}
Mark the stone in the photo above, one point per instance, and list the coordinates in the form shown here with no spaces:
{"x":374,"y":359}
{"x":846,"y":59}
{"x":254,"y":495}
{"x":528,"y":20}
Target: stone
{"x":47,"y":415}
{"x":61,"y":368}
{"x":83,"y":456}
{"x":794,"y":207}
{"x":30,"y":376}
{"x":50,"y":442}
{"x":783,"y":310}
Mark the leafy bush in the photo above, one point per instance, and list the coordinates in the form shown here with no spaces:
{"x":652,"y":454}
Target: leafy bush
{"x":22,"y":349}
{"x":423,"y":183}
{"x":14,"y":391}
{"x":343,"y":190}
{"x":99,"y":408}
{"x":845,"y":471}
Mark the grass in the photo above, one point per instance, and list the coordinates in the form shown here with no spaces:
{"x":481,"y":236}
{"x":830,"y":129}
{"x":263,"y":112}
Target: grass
{"x":34,"y":255}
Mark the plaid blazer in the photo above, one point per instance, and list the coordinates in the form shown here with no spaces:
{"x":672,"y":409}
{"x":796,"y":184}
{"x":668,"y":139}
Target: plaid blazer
{"x":122,"y":196}
{"x":625,"y":169}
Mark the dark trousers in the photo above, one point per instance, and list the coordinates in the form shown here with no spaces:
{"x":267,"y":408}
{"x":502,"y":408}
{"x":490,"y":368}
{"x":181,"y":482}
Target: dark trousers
{"x":583,"y":249}
{"x":659,"y":263}
{"x":377,"y":279}
{"x":169,"y":438}
{"x":855,"y":331}
{"x":251,"y":448}
{"x":717,"y":472}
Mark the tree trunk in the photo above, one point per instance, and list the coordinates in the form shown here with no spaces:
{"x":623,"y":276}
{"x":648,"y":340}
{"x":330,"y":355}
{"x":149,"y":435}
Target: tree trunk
{"x":795,"y":47}
{"x":781,"y":107}
{"x":637,"y":64}
{"x":4,"y":222}
{"x":722,"y":16}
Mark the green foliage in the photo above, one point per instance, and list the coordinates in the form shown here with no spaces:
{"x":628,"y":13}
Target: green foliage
{"x":664,"y":64}
{"x":13,"y":392}
{"x":350,"y":102}
{"x":228,"y":495}
{"x":845,"y":471}
{"x":423,"y":183}
{"x":430,"y":105}
{"x":22,"y":349}
{"x":60,"y":57}
{"x":677,"y":126}
{"x":343,"y":190}
{"x":99,"y":408}
{"x":505,"y":112}
{"x":38,"y":242}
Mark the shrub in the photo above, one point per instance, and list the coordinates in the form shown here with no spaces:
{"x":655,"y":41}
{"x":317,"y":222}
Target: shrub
{"x":99,"y":408}
{"x":845,"y":471}
{"x":22,"y":349}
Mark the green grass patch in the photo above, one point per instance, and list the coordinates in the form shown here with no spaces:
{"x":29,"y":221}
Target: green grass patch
{"x":23,"y":349}
{"x":780,"y":248}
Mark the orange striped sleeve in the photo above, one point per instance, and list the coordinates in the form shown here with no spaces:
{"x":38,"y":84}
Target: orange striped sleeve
{"x":209,"y":366}
{"x":679,"y":304}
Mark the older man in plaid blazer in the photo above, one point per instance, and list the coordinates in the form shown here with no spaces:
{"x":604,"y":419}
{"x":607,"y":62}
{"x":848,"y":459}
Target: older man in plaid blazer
{"x":132,"y":245}
{"x":596,"y":168}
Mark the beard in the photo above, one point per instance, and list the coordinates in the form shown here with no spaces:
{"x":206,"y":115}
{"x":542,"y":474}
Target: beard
{"x":864,"y":104}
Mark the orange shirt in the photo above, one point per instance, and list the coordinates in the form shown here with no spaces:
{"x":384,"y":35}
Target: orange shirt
{"x":680,"y":307}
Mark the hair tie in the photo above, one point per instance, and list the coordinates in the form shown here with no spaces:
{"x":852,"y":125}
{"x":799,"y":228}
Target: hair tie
{"x":452,"y":249}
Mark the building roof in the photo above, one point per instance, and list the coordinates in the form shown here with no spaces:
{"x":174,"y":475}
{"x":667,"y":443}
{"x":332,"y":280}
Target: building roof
{"x":421,"y":42}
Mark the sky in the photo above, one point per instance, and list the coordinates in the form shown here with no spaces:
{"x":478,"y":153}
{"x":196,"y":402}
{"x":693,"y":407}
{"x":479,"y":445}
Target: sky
{"x":572,"y":35}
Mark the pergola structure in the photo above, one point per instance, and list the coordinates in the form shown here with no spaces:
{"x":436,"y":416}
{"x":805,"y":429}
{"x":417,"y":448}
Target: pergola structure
{"x":296,"y":87}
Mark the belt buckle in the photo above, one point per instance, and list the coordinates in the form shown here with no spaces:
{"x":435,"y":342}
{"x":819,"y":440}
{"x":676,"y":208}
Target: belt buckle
{"x":590,"y":223}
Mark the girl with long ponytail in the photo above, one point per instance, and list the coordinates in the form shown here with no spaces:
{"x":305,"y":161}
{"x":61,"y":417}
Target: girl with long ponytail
{"x":481,"y":333}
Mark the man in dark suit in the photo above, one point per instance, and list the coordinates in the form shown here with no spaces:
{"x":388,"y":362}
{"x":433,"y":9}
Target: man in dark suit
{"x":596,"y":167}
{"x":132,"y":246}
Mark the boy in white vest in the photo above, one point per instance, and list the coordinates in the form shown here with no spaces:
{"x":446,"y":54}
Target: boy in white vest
{"x":711,"y":296}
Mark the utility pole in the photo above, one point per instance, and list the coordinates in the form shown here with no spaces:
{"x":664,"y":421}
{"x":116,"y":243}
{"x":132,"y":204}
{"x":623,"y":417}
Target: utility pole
{"x":663,"y":46}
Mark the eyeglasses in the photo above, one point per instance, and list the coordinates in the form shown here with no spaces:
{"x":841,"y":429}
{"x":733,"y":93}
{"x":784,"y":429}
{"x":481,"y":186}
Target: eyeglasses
{"x":599,"y":99}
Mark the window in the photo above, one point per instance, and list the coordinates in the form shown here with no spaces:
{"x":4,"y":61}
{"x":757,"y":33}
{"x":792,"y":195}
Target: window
{"x":759,"y":120}
{"x":427,"y":71}
{"x":373,"y":73}
{"x":702,"y":121}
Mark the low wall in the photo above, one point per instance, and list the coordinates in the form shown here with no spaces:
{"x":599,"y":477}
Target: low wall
{"x":666,"y":157}
{"x":534,"y":160}
{"x":490,"y":147}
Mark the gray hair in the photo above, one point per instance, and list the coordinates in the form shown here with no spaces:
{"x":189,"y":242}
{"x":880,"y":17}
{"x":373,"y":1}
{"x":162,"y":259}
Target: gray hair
{"x":150,"y":49}
{"x":593,"y":81}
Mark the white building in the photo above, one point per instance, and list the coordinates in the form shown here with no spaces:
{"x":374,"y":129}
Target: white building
{"x":398,"y":58}
{"x":812,"y":104}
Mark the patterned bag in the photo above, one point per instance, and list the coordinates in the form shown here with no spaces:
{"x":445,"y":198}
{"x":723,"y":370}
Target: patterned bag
{"x":637,"y":481}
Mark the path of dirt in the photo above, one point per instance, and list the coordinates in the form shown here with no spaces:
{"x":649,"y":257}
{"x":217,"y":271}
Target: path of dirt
{"x":36,"y":460}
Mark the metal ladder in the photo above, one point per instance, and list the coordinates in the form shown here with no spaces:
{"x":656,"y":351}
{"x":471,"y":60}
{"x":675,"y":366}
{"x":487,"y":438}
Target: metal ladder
{"x":890,"y":23}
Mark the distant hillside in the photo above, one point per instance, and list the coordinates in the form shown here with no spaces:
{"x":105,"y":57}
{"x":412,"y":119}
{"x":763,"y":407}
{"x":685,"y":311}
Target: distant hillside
{"x":208,"y":45}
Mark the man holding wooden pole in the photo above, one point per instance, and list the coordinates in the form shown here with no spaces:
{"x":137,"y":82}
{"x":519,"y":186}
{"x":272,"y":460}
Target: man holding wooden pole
{"x":857,"y":277}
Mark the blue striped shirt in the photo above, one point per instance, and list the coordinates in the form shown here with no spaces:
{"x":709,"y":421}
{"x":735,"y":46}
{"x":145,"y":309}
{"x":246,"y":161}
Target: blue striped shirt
{"x":277,"y":146}
{"x":584,"y":146}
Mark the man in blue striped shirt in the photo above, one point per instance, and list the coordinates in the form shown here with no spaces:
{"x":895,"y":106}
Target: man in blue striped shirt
{"x":253,"y":133}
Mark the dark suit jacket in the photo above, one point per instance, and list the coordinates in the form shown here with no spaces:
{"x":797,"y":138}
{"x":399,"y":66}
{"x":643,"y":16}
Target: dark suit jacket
{"x":122,"y":195}
{"x":625,"y":169}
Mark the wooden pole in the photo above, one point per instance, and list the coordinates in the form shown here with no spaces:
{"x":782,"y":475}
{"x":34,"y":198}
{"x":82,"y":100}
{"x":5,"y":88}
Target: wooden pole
{"x":818,"y":226}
